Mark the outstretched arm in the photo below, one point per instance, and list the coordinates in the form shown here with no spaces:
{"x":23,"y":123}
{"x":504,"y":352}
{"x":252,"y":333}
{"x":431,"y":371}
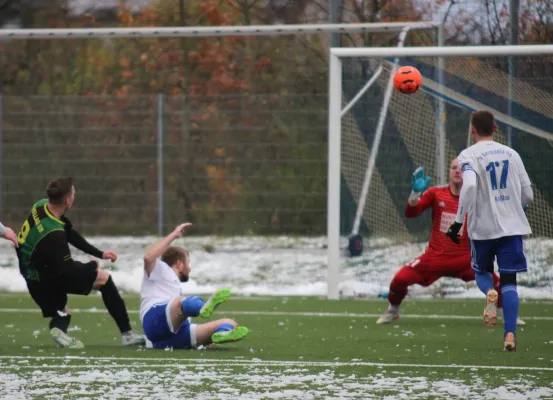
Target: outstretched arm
{"x":416,"y":207}
{"x":77,"y":240}
{"x":154,"y":252}
{"x":8,"y":234}
{"x":420,"y":199}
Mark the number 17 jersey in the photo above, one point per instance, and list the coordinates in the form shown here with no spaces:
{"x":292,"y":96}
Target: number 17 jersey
{"x":500,"y":174}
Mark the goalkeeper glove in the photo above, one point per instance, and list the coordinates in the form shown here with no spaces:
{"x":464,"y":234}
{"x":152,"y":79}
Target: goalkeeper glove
{"x":420,"y":183}
{"x":453,"y":232}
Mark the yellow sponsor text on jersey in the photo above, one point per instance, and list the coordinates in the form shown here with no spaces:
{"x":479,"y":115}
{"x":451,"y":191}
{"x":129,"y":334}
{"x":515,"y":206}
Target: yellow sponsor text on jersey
{"x":34,"y":213}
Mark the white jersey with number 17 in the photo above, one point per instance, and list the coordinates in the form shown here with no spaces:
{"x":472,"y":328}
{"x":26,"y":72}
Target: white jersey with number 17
{"x":500,"y":174}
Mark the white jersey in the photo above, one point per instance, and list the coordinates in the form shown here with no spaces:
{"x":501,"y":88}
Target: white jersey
{"x":500,"y":173}
{"x":162,"y":285}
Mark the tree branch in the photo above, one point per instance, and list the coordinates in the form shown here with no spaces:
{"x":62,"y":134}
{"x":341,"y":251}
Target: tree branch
{"x":498,"y":21}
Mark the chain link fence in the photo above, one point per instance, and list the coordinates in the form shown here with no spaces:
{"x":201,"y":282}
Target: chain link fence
{"x":234,"y":164}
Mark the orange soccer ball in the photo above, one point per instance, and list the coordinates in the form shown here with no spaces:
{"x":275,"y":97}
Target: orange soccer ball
{"x":407,"y":80}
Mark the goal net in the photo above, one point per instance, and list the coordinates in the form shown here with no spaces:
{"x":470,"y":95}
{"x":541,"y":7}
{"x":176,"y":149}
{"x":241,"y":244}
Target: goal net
{"x":429,"y":129}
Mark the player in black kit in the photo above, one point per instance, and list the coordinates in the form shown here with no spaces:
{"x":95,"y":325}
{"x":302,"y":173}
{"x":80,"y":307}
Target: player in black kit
{"x":51,"y":273}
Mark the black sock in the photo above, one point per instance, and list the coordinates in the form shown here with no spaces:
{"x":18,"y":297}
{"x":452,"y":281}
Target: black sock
{"x":115,"y":305}
{"x":61,"y":323}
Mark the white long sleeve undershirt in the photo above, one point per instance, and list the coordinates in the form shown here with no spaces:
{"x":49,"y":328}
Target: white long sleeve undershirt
{"x":526,"y":195}
{"x":468,"y":194}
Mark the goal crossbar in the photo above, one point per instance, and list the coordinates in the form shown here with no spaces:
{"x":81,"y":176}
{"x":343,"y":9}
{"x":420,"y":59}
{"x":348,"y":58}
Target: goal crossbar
{"x":213,"y":31}
{"x":446,"y":51}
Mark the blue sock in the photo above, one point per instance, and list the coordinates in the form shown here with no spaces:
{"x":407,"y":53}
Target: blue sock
{"x":225,"y":327}
{"x":484,"y":280}
{"x":510,"y":307}
{"x":191,"y":306}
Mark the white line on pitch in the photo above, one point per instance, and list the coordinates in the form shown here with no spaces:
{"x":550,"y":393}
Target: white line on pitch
{"x":293,"y":314}
{"x":246,"y":363}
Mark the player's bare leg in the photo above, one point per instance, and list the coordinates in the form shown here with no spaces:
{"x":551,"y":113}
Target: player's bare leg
{"x":510,"y":343}
{"x":181,"y":307}
{"x":490,"y":312}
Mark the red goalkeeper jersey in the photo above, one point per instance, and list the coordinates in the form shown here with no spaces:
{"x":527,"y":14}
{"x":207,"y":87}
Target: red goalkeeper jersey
{"x":444,"y":209}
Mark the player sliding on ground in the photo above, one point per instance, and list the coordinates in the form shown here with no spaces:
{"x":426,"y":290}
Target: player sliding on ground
{"x":165,"y":313}
{"x":442,"y":258}
{"x":496,"y":190}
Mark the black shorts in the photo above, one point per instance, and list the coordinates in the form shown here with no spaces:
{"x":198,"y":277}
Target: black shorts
{"x":51,"y":295}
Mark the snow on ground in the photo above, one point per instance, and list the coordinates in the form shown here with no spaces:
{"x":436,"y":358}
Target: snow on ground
{"x":226,"y":380}
{"x":288,"y":266}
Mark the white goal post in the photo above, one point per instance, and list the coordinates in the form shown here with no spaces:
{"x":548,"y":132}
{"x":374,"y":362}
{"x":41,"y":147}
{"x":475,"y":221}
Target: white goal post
{"x":337,"y":110}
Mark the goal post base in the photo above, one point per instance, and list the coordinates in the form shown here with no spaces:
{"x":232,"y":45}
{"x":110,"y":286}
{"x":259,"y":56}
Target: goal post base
{"x":355,"y":245}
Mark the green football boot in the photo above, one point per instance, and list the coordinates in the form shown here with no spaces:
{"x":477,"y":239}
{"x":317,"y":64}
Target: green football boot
{"x":217,"y":298}
{"x":64,"y":340}
{"x":234,"y":335}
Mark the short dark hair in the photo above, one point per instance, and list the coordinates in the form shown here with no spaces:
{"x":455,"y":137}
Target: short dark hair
{"x":174,"y":254}
{"x":483,"y":122}
{"x":58,"y":189}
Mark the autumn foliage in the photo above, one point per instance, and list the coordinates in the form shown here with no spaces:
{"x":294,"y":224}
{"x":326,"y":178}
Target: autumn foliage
{"x":244,"y":118}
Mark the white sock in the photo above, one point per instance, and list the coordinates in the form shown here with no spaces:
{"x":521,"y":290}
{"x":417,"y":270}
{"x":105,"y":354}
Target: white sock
{"x":393,"y":309}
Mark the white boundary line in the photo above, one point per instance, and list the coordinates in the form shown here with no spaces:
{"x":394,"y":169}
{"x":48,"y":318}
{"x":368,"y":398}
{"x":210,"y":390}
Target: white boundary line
{"x":183,"y":363}
{"x":295,"y":314}
{"x":279,"y":298}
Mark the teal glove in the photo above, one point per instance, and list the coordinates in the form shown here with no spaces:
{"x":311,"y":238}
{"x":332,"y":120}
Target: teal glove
{"x":420,"y":183}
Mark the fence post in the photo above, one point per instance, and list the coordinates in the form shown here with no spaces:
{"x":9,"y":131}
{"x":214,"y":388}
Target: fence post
{"x":334,"y":13}
{"x":514,"y":6}
{"x":441,"y":114}
{"x":160,"y":173}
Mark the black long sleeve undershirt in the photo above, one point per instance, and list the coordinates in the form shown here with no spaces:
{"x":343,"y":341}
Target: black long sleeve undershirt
{"x":75,"y":239}
{"x":54,"y":254}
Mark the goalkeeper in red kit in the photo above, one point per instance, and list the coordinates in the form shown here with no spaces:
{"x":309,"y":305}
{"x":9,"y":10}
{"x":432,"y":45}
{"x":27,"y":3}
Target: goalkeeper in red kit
{"x":442,"y":258}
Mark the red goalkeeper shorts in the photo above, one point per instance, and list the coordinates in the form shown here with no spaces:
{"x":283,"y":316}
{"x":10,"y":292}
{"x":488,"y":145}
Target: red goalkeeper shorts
{"x":432,"y":265}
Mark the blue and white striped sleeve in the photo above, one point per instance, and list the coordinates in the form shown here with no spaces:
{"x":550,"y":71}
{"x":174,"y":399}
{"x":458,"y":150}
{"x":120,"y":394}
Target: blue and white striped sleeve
{"x":467,"y":167}
{"x":464,"y":162}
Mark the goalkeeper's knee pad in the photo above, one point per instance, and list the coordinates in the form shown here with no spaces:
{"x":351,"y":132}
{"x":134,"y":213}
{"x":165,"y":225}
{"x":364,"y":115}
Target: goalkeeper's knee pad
{"x":192,"y":305}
